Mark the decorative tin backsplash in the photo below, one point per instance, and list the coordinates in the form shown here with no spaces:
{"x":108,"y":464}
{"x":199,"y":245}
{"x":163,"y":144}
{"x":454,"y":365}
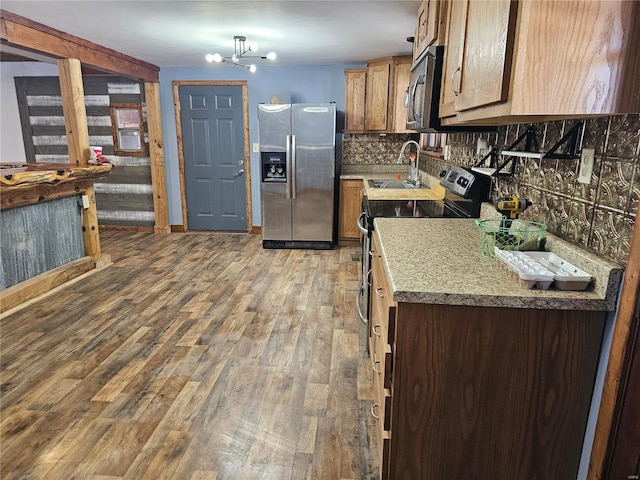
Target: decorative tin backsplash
{"x":373,"y":149}
{"x":598,"y":216}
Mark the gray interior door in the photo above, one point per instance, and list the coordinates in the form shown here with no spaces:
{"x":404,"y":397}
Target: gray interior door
{"x":213,"y":147}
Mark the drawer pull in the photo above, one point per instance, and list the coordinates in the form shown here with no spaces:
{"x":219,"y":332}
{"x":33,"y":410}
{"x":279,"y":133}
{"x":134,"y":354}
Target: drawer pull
{"x":378,"y":289}
{"x":373,"y":407}
{"x":377,"y":362}
{"x":373,"y":329}
{"x":455,"y":92}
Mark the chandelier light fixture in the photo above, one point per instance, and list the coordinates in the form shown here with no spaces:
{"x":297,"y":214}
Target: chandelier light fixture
{"x":242,"y":51}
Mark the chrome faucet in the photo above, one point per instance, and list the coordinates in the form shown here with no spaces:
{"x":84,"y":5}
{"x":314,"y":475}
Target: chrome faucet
{"x":413,"y":172}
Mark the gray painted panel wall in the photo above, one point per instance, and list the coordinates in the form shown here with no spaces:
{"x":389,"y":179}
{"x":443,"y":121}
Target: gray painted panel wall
{"x":42,"y":120}
{"x":37,"y":238}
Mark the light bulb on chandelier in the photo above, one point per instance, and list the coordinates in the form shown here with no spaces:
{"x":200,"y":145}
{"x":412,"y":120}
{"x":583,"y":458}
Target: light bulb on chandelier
{"x":240,"y":52}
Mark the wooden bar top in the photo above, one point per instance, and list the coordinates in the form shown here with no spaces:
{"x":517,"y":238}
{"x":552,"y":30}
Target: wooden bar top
{"x":28,"y":175}
{"x":29,"y":183}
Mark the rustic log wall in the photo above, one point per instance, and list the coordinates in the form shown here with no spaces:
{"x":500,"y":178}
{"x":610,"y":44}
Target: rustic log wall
{"x":125,"y":197}
{"x":37,"y":238}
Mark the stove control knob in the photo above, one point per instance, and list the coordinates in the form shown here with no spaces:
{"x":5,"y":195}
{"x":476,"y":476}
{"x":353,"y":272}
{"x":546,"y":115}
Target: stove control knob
{"x":463,"y":182}
{"x":443,"y":173}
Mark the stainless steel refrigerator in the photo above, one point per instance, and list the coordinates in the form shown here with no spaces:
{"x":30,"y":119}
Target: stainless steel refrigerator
{"x":297,"y":163}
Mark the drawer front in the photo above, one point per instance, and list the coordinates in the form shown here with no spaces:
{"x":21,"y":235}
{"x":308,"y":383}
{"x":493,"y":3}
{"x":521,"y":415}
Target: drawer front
{"x":382,"y":383}
{"x":384,"y":449}
{"x":381,"y":298}
{"x":383,"y":359}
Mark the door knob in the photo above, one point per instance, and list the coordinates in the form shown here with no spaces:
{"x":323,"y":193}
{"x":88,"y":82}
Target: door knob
{"x":240,"y":172}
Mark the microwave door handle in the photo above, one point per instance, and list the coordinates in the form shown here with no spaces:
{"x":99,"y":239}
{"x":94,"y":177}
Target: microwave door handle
{"x":288,"y":165}
{"x":413,"y":98}
{"x":418,"y":114}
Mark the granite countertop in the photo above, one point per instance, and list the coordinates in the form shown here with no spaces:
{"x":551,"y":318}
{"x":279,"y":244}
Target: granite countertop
{"x":440,"y":261}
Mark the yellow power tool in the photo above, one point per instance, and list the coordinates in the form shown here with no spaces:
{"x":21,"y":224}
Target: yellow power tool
{"x":512,"y":207}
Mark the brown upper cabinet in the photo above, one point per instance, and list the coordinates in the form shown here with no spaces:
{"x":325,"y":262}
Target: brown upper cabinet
{"x":356,"y":79}
{"x":508,"y":61}
{"x":428,"y":26}
{"x":383,"y":96}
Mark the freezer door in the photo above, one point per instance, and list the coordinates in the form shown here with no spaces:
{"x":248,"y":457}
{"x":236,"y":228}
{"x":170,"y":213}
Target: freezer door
{"x":276,"y":211}
{"x":313,"y":166}
{"x":274,"y":124}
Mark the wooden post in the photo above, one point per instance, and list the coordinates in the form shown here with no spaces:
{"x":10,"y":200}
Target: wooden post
{"x":90,"y":233}
{"x":75,"y":113}
{"x":156,"y":153}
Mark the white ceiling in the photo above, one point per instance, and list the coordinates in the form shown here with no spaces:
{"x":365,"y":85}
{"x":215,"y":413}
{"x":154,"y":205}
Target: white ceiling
{"x":182,"y":32}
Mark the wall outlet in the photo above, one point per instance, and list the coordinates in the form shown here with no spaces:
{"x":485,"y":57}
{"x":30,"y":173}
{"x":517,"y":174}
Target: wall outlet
{"x":256,"y":147}
{"x":482,"y":147}
{"x":586,"y":165}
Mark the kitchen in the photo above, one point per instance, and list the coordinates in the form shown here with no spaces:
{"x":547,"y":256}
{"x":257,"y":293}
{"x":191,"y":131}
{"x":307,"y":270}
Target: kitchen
{"x":464,"y":144}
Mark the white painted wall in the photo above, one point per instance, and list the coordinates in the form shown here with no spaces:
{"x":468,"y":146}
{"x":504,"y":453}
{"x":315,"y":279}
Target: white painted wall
{"x":11,"y":143}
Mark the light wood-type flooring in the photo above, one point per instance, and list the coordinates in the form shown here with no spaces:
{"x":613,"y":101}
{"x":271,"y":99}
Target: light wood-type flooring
{"x":193,"y":356}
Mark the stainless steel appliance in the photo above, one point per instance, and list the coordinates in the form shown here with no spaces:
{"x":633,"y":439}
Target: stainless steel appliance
{"x":297,"y":163}
{"x":423,"y":95}
{"x":464,"y":194}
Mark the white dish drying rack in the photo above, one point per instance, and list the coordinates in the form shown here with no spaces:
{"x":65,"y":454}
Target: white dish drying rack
{"x":542,"y":269}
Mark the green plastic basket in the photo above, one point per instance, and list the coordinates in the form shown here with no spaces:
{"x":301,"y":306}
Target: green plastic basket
{"x":507,"y":234}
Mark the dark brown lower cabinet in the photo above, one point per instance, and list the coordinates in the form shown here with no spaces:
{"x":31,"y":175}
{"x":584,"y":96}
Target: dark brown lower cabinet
{"x":479,"y":392}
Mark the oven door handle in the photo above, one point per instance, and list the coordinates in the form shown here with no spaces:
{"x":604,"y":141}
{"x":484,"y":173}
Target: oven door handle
{"x":361,"y":228}
{"x":360,"y":295}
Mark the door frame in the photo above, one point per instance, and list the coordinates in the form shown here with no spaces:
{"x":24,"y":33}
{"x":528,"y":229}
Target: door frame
{"x":247,"y":155}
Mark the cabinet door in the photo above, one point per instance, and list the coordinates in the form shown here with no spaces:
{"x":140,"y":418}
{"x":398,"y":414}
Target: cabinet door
{"x":487,"y":53}
{"x":378,"y":79}
{"x":402,"y":74}
{"x":421,"y":29}
{"x":451,"y":70}
{"x":427,"y":29}
{"x":350,"y":206}
{"x":356,"y":80}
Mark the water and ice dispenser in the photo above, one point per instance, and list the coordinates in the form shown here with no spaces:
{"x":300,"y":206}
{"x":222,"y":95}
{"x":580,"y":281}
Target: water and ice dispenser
{"x":274,"y":166}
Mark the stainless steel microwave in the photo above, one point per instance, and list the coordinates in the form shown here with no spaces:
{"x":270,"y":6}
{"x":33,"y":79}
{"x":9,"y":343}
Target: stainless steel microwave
{"x":423,"y":95}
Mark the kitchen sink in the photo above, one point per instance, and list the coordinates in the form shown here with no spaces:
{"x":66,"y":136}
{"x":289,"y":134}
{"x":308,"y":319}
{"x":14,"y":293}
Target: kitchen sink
{"x":390,"y":183}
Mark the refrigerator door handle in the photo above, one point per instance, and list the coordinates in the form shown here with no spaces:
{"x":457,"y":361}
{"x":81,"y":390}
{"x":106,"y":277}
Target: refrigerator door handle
{"x":293,"y":167}
{"x":288,"y":165}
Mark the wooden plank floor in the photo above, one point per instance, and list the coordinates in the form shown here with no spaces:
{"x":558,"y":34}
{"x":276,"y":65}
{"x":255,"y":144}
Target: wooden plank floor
{"x":194,"y":356}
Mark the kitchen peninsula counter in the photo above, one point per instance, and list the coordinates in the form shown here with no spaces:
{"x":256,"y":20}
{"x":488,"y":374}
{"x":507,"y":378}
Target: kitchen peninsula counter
{"x":466,"y":350}
{"x":50,"y":227}
{"x":440,"y":261}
